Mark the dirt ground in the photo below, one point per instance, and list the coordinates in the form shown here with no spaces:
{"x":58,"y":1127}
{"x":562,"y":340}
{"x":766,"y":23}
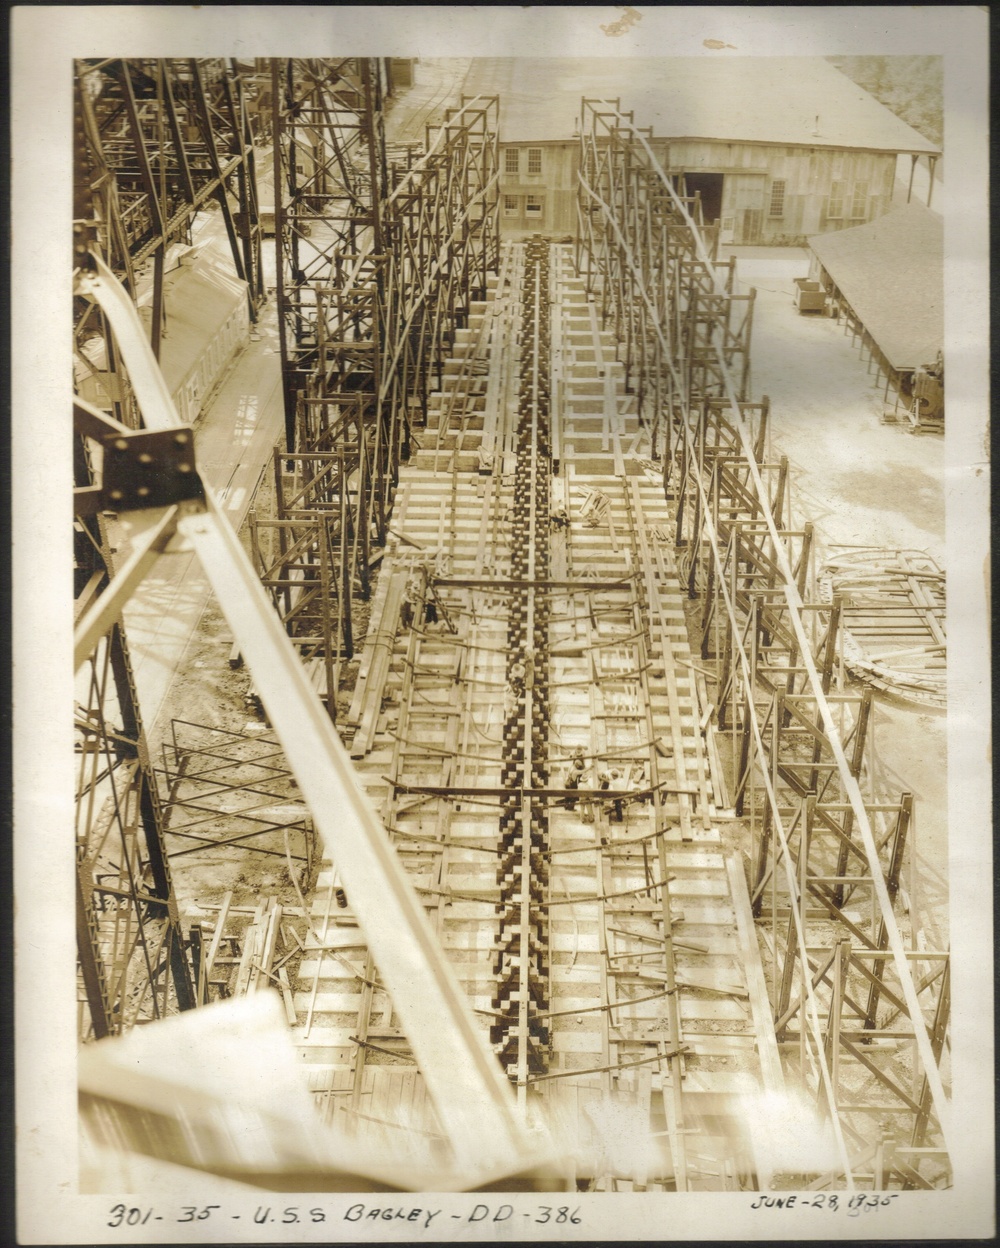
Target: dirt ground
{"x":861,"y":482}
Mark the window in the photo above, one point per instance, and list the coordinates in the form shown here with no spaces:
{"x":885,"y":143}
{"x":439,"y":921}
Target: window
{"x":532,"y":206}
{"x":512,"y":160}
{"x":835,"y":204}
{"x":534,"y":160}
{"x":859,"y":204}
{"x":777,"y":206}
{"x":510,"y":208}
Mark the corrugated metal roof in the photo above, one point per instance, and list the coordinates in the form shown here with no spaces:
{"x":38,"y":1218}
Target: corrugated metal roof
{"x":737,"y":99}
{"x":891,"y":271}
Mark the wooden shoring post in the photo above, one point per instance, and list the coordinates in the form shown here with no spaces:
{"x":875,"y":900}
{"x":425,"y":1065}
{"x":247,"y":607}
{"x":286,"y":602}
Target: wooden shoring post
{"x":726,"y":639}
{"x":362,"y":528}
{"x":345,"y":627}
{"x":784,"y":992}
{"x":817,"y":974}
{"x":743,"y":770}
{"x":682,"y":483}
{"x":744,"y":390}
{"x":331,"y":643}
{"x":801,"y":573}
{"x":197,"y":963}
{"x":694,"y":546}
{"x":763,"y":852}
{"x":777,"y":505}
{"x":939,"y":1031}
{"x":708,"y":606}
{"x":802,"y":567}
{"x":831,"y":1041}
{"x":856,"y":761}
{"x":826,"y":678}
{"x":760,"y":445}
{"x":892,"y":884}
{"x":899,"y":844}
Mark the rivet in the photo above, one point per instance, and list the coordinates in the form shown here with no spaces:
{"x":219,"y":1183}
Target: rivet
{"x":181,"y":439}
{"x":116,"y":494}
{"x":142,"y":491}
{"x":145,"y":458}
{"x":121,"y":444}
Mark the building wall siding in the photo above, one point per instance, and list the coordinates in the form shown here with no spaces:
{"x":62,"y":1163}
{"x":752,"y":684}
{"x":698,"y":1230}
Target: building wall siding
{"x":809,"y":174}
{"x":812,"y":177}
{"x":555,"y":186}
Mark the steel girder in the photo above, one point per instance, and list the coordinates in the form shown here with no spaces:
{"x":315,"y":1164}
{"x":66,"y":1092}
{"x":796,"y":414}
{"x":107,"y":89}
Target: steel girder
{"x":155,"y":142}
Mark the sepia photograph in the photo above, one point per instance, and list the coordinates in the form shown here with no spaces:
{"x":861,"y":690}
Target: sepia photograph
{"x":490,"y":762}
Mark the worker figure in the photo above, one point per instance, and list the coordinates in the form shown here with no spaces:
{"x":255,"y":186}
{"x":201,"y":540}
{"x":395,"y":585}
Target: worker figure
{"x":559,"y":519}
{"x":574,"y":778}
{"x":636,"y":779}
{"x":617,"y":806}
{"x":410,"y":596}
{"x":607,"y":777}
{"x":514,"y":689}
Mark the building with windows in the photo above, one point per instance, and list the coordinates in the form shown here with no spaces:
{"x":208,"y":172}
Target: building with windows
{"x":538,"y":188}
{"x":776,"y":148}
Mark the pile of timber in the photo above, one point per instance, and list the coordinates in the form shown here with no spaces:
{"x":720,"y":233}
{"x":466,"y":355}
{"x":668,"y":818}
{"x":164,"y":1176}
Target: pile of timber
{"x":255,"y":953}
{"x":893,"y":633}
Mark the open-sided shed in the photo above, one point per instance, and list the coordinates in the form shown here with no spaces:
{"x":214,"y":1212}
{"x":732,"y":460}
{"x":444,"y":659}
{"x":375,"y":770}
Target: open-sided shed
{"x":887,"y":278}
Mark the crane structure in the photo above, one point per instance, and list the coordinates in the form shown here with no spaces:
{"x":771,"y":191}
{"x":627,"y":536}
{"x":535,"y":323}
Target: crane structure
{"x":156,"y":141}
{"x":601,"y":839}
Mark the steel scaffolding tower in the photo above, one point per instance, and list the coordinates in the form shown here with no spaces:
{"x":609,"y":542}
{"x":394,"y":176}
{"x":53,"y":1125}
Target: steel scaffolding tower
{"x":863,"y":1018}
{"x":378,"y":262}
